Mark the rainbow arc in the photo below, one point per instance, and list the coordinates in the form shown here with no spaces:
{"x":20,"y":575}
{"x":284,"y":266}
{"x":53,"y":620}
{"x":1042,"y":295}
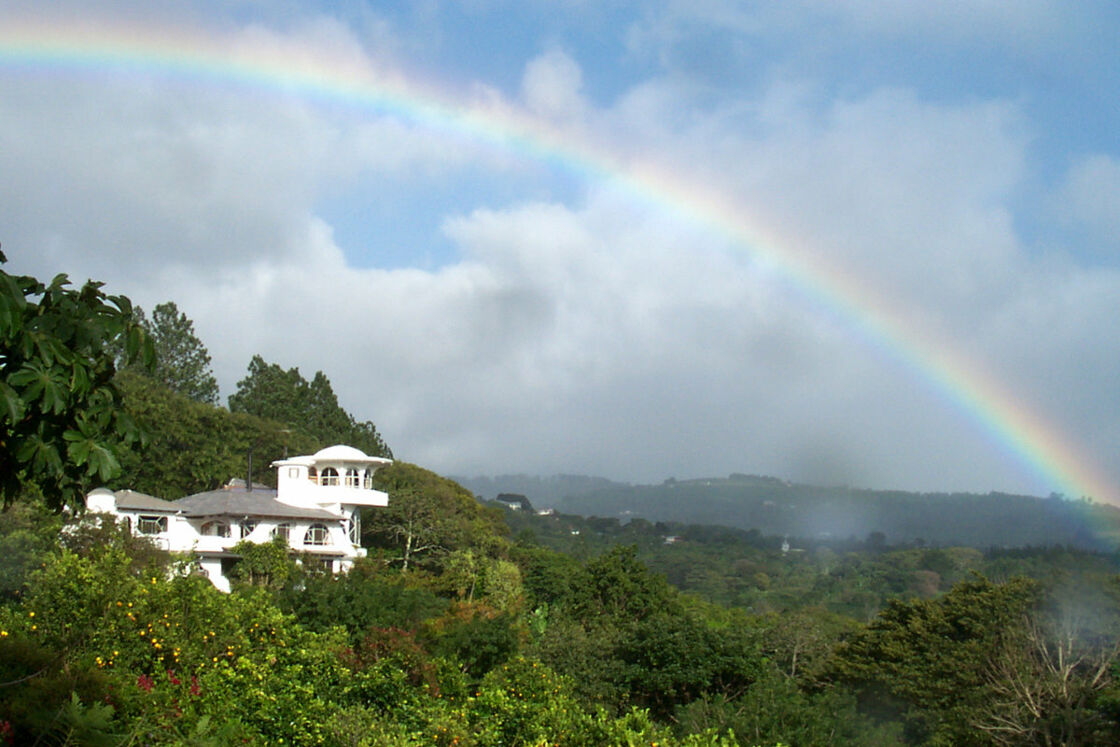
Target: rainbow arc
{"x":266,"y":63}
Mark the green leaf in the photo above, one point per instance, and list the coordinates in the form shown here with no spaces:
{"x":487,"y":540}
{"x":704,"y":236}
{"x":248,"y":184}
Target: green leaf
{"x":10,"y":404}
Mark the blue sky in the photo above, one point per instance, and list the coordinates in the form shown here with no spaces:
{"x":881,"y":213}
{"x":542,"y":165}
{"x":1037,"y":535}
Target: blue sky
{"x":495,"y":312}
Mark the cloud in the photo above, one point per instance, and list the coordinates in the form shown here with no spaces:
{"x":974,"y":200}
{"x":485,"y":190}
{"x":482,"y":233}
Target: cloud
{"x":551,"y":86}
{"x":599,"y":331}
{"x":1088,"y":201}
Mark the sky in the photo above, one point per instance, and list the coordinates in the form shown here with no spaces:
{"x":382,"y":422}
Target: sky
{"x":852,"y":243}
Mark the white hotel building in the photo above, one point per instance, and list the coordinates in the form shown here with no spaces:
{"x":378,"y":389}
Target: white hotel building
{"x":315,"y":508}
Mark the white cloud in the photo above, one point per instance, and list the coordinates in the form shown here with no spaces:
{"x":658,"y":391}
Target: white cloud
{"x":605,"y":334}
{"x":1089,"y":200}
{"x":551,"y":86}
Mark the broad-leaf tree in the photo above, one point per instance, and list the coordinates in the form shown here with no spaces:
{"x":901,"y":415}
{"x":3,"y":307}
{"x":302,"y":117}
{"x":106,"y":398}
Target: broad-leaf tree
{"x":194,"y":446}
{"x":1053,"y":679}
{"x":61,"y":420}
{"x":933,"y":657}
{"x":429,"y":516}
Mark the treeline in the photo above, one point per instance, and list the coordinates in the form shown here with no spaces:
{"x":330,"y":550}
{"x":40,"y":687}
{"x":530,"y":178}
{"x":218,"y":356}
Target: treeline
{"x":775,"y":507}
{"x":766,"y":574}
{"x":191,"y":444}
{"x":488,"y":639}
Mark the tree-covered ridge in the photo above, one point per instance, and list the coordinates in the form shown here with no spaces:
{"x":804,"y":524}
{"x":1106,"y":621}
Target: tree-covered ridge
{"x":767,"y":574}
{"x":268,"y":391}
{"x":492,"y":641}
{"x":193,"y":446}
{"x":777,"y":507}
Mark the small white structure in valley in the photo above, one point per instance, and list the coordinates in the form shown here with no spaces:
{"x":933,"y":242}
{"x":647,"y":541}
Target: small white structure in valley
{"x":315,"y":508}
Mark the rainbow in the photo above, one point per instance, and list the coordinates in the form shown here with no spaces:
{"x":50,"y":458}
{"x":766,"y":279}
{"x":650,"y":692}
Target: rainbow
{"x":261,"y":60}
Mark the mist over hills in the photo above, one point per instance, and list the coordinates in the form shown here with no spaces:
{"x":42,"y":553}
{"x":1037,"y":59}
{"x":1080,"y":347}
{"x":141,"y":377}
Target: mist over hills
{"x":773,"y":506}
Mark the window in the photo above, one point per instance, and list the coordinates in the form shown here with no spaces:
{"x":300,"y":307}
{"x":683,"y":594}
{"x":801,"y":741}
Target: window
{"x":356,"y":528}
{"x":293,"y":472}
{"x":352,"y":478}
{"x":247,"y":528}
{"x":318,"y":565}
{"x":313,"y":474}
{"x":368,"y":482}
{"x":215,"y":529}
{"x":151,"y":524}
{"x":330,"y":476}
{"x":283,"y":531}
{"x":317,"y":534}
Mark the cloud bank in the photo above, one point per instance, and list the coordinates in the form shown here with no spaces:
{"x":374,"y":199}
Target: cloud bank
{"x":568,"y":326}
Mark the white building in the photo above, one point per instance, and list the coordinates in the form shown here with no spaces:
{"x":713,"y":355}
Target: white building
{"x":315,"y":507}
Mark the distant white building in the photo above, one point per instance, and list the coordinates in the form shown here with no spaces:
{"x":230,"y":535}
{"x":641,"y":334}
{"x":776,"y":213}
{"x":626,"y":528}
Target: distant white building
{"x":315,"y":508}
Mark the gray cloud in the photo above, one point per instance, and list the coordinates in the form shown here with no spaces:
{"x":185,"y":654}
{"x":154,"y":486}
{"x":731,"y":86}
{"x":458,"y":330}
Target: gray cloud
{"x":603,"y":334}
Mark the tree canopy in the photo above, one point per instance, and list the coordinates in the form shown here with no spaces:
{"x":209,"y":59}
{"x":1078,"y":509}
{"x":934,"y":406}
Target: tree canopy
{"x":285,"y":396}
{"x":195,"y":446}
{"x":182,"y":361}
{"x":61,"y":420}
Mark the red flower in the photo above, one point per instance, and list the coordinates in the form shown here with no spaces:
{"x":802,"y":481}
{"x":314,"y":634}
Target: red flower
{"x":145,"y":683}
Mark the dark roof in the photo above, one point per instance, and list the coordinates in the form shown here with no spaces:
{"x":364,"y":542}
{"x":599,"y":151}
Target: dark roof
{"x":235,"y":501}
{"x":130,"y":499}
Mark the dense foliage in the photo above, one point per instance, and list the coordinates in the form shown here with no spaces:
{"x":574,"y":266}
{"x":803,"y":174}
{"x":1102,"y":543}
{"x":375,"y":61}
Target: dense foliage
{"x":270,"y":392}
{"x":488,"y":642}
{"x":182,"y":362}
{"x":61,"y":424}
{"x":194,"y":446}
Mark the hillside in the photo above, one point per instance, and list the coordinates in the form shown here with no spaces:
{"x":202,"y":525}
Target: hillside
{"x":775,"y":507}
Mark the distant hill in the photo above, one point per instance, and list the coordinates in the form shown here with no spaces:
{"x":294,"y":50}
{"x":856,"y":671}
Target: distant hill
{"x":773,"y":506}
{"x":542,"y":492}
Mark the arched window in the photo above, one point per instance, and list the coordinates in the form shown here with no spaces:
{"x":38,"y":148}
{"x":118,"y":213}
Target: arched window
{"x":330,"y":476}
{"x":152,"y":524}
{"x":367,"y":483}
{"x":215,"y":529}
{"x":317,"y":534}
{"x":356,"y":528}
{"x":313,"y":474}
{"x":283,"y":531}
{"x":352,"y":480}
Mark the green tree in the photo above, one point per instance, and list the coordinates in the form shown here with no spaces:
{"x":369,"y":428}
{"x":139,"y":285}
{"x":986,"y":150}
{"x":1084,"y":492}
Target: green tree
{"x":369,"y":596}
{"x":266,"y":564}
{"x":182,"y":361}
{"x":27,"y":534}
{"x":429,"y":516}
{"x":194,"y":446}
{"x":62,"y":426}
{"x":311,"y":406}
{"x":1054,"y":673}
{"x":617,"y":584}
{"x":932,"y":657}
